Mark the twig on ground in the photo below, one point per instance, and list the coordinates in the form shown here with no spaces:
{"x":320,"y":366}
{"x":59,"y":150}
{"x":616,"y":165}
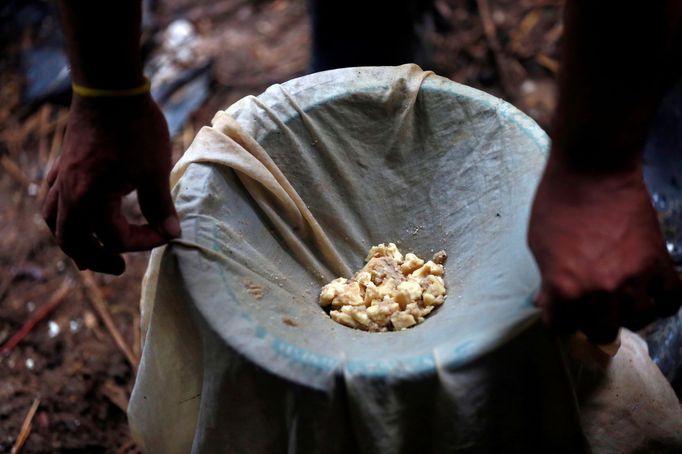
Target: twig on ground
{"x":15,"y":171}
{"x":490,"y":32}
{"x":553,"y":35}
{"x":187,"y":135}
{"x":137,"y":335}
{"x":214,"y":9}
{"x":43,"y":131}
{"x":27,"y":127}
{"x":128,"y":447}
{"x":134,"y":313}
{"x":100,"y":306}
{"x":116,"y":395}
{"x":26,"y":427}
{"x":56,"y":298}
{"x":548,"y":62}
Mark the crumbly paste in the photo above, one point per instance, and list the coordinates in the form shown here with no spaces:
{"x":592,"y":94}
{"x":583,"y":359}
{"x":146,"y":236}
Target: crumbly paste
{"x":391,"y":292}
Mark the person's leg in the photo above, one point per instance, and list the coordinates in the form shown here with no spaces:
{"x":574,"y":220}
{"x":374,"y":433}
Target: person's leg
{"x":367,"y":33}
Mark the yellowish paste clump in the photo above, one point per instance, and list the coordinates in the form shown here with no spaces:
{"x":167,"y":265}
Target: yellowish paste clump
{"x":391,"y":292}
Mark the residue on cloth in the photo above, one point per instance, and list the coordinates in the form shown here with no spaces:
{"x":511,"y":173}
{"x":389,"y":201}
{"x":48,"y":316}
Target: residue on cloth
{"x":391,"y":292}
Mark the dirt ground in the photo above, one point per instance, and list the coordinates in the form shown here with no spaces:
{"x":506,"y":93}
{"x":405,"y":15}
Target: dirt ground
{"x":69,"y":363}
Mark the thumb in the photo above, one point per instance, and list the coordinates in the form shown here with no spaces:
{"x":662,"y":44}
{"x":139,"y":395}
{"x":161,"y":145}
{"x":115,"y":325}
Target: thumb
{"x":157,"y":207}
{"x":559,"y":314}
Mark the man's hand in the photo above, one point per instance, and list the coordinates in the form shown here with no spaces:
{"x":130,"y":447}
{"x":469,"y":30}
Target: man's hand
{"x":593,"y":230}
{"x":601,"y":254}
{"x":112,"y":147}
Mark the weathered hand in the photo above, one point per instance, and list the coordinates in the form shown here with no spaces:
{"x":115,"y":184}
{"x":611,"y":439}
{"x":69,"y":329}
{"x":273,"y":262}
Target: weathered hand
{"x":111,"y":147}
{"x":601,"y":254}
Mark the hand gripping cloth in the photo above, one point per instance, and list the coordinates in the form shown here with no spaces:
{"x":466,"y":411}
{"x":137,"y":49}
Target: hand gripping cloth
{"x":288,"y":190}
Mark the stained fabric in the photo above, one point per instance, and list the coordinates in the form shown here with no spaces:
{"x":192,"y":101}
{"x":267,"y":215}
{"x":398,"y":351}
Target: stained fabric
{"x":288,"y":190}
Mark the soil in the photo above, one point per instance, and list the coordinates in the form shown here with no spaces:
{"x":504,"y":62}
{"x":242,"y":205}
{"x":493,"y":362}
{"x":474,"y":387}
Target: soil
{"x":69,"y":360}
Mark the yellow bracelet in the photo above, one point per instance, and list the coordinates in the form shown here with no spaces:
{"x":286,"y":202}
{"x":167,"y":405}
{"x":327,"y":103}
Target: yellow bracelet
{"x":107,"y":93}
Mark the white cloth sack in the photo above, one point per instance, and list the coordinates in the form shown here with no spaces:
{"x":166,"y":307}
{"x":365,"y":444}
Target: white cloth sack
{"x":288,"y":190}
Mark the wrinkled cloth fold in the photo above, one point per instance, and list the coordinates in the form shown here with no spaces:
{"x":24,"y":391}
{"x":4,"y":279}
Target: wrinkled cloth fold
{"x":288,"y":190}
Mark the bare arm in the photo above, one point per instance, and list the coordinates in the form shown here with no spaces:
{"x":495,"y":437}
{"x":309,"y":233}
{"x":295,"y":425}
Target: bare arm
{"x":113,"y":145}
{"x":103,"y":42}
{"x":593,"y":230}
{"x":618,"y":59}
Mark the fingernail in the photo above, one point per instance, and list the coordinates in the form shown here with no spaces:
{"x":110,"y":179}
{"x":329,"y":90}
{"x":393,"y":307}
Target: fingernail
{"x":171,"y":226}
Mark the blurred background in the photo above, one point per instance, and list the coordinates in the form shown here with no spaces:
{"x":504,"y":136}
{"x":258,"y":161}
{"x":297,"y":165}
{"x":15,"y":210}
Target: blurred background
{"x":69,"y":341}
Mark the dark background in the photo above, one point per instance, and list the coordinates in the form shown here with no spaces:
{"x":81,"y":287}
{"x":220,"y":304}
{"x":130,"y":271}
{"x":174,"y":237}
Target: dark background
{"x":69,"y":360}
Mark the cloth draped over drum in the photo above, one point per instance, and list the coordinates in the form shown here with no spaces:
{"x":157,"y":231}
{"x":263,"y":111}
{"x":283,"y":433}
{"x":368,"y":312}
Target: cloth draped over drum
{"x":288,"y":190}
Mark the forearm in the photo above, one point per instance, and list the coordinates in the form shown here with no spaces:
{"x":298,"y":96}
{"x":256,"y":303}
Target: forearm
{"x":616,"y":64}
{"x":103,"y":42}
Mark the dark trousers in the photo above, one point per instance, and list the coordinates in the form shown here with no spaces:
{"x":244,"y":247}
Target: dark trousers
{"x":367,"y":33}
